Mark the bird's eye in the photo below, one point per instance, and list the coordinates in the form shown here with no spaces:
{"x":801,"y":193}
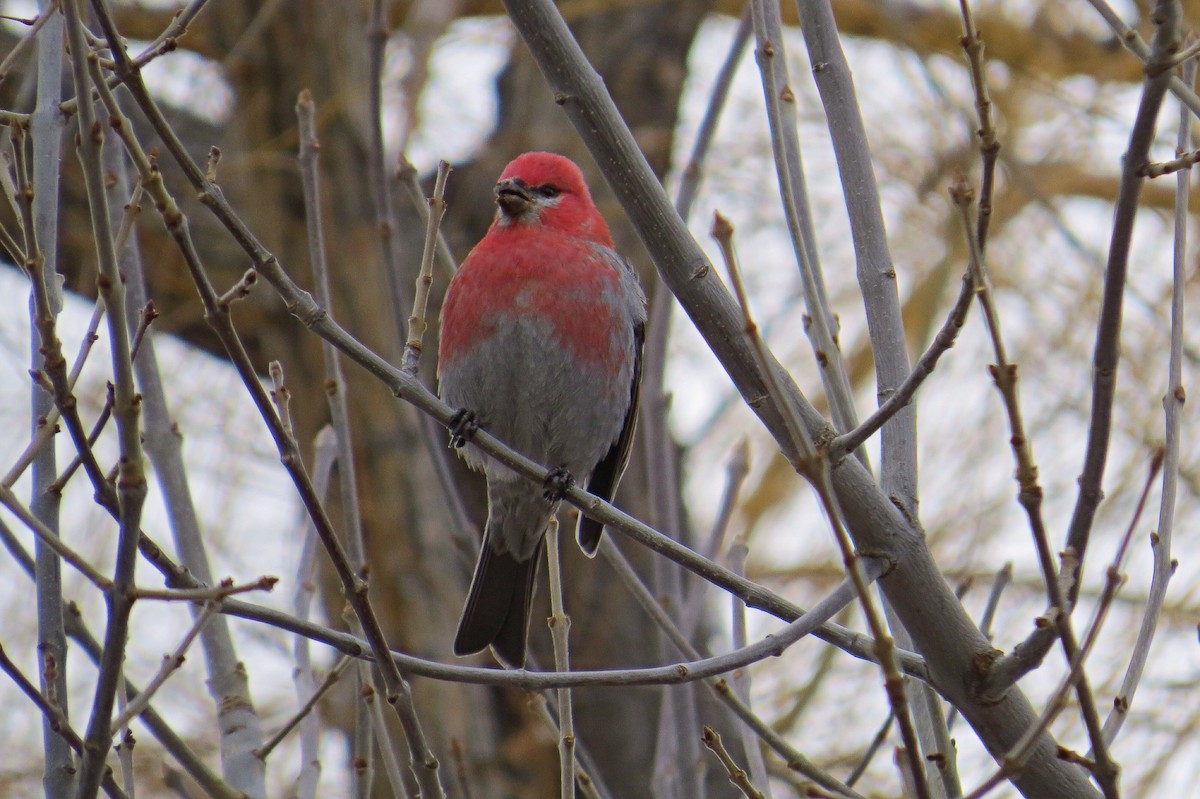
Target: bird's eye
{"x":547,"y":190}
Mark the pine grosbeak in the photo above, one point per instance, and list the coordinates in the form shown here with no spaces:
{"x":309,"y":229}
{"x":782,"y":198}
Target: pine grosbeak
{"x":541,"y":339}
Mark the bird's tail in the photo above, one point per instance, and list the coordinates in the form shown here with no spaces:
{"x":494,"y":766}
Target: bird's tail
{"x":497,"y":609}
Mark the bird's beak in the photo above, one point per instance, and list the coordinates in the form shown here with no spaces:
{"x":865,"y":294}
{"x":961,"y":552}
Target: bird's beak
{"x":513,"y":197}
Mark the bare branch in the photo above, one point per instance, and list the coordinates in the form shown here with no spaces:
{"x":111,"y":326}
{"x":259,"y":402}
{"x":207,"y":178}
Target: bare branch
{"x":737,"y":775}
{"x":1173,"y":399}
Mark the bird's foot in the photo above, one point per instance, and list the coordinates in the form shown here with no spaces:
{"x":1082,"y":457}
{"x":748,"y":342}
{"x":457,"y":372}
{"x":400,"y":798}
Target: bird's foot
{"x":557,"y":484}
{"x":463,"y":426}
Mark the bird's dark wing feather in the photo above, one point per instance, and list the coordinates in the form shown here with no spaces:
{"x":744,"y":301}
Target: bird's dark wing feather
{"x":607,"y":474}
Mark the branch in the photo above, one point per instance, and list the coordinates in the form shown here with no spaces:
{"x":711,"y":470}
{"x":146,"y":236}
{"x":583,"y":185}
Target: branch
{"x":1148,"y":54}
{"x":46,"y":127}
{"x":832,"y":604}
{"x":226,"y":678}
{"x":944,"y":340}
{"x":737,"y":775}
{"x":54,"y":717}
{"x":305,"y":709}
{"x":1108,"y":328}
{"x":1014,"y":760}
{"x":820,"y":322}
{"x":672,"y":674}
{"x":416,"y":321}
{"x":560,"y":629}
{"x":131,"y":480}
{"x":170,"y":665}
{"x":1160,"y":539}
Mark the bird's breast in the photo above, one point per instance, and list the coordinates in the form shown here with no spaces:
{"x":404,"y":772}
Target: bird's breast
{"x":568,"y":292}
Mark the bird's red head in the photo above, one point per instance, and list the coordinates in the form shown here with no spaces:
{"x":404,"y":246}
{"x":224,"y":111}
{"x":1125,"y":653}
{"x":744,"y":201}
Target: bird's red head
{"x":548,"y":189}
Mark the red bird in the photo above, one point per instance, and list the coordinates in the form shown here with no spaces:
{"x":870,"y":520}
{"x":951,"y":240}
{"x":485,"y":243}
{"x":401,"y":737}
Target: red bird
{"x":541,"y":341}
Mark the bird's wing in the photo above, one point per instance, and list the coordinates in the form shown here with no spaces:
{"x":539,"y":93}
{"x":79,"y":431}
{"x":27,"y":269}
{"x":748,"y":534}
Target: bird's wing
{"x":607,"y":474}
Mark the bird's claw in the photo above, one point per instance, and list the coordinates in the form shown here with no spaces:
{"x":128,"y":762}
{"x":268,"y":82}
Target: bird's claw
{"x":557,"y":484}
{"x":463,"y":426}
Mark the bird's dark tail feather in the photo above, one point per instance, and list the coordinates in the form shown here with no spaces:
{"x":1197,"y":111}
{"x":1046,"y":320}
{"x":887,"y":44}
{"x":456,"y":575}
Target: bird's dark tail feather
{"x":498,"y":605}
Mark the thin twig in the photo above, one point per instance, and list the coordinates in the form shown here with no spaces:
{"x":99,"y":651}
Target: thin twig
{"x":1106,"y":357}
{"x":678,"y":767}
{"x":48,"y":12}
{"x":873,"y":748}
{"x":560,"y":629}
{"x":737,"y":775}
{"x":324,"y":457}
{"x":820,"y":322}
{"x":407,"y":177}
{"x":1160,"y":539}
{"x":170,"y":665}
{"x":226,"y":588}
{"x":541,"y":708}
{"x":53,"y":715}
{"x":1134,"y":43}
{"x":147,"y":316}
{"x":736,"y":471}
{"x":416,"y":321}
{"x":51,"y":540}
{"x":239,"y":290}
{"x":693,"y":172}
{"x":1183,"y":160}
{"x":131,"y":482}
{"x":336,"y":385}
{"x":362,"y":737}
{"x":989,"y":146}
{"x":904,"y":393}
{"x":306,"y":709}
{"x":166,"y":42}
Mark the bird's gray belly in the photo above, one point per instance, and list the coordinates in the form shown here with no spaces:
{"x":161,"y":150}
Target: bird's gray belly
{"x":533,"y":393}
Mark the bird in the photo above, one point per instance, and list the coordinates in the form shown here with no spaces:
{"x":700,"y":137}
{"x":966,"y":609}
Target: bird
{"x":541,"y":337}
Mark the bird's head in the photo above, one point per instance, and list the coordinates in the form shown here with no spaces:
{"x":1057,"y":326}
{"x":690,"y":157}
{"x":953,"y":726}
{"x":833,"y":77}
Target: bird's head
{"x":548,"y":189}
